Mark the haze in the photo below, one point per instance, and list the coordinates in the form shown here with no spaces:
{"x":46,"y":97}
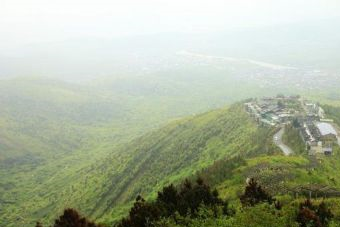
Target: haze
{"x":104,"y":100}
{"x":85,"y":40}
{"x":35,"y":21}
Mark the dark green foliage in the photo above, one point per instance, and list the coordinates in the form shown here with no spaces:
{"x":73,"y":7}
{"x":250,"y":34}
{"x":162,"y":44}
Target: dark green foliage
{"x":185,"y":200}
{"x":254,"y":194}
{"x":168,"y":198}
{"x":71,"y":218}
{"x":142,"y":214}
{"x":191,"y":196}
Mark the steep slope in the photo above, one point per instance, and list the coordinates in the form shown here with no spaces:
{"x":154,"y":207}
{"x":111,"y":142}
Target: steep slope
{"x":61,"y":145}
{"x":290,"y":179}
{"x":53,"y":135}
{"x":49,"y":131}
{"x":175,"y":152}
{"x":103,"y":186}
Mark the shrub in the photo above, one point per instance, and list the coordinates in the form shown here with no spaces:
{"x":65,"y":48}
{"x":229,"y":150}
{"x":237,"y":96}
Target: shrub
{"x":71,"y":218}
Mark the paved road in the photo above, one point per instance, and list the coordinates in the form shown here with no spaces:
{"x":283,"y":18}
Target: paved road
{"x":278,"y":141}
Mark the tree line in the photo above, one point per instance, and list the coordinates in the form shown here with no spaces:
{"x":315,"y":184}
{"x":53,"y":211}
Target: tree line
{"x":186,"y":200}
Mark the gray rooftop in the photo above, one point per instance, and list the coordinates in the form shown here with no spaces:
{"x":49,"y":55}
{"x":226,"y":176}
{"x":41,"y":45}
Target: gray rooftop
{"x":326,"y":128}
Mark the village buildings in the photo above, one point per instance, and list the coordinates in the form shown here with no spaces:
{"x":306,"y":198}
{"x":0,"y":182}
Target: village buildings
{"x":316,"y":131}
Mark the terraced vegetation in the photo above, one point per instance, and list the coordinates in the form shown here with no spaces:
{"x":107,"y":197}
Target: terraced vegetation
{"x":55,"y":139}
{"x":46,"y":185}
{"x":179,"y":150}
{"x":68,"y":146}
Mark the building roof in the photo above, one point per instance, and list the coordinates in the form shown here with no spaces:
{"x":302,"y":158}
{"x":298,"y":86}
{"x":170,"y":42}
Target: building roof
{"x":326,"y":128}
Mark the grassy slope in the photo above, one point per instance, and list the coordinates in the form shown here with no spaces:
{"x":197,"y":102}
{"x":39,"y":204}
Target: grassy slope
{"x":177,"y":151}
{"x":278,"y":174}
{"x":55,"y":137}
{"x":50,"y":131}
{"x":292,"y":138}
{"x":284,"y":174}
{"x":145,"y":165}
{"x":58,"y":165}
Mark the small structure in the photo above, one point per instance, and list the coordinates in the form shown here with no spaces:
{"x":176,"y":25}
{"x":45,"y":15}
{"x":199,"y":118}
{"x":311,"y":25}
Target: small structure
{"x":327,"y":132}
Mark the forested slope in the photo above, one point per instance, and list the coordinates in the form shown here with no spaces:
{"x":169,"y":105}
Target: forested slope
{"x":175,"y":152}
{"x":63,"y":145}
{"x":106,"y":188}
{"x":55,"y":138}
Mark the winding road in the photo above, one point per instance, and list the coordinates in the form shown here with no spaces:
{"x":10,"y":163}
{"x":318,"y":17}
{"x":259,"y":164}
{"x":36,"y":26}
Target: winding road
{"x":277,"y":138}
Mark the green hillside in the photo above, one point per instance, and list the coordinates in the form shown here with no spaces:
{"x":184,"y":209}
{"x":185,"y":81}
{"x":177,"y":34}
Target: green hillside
{"x":103,"y":186}
{"x":224,"y":147}
{"x":175,"y":152}
{"x":289,"y":179}
{"x":50,"y":131}
{"x":54,"y":136}
{"x":66,"y":145}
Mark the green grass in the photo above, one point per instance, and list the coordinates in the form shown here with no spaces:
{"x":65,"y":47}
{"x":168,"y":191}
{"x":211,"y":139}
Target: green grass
{"x":284,"y":174}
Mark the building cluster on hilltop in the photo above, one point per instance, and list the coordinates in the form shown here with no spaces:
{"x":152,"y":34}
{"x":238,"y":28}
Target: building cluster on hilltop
{"x":273,"y":110}
{"x":316,"y":131}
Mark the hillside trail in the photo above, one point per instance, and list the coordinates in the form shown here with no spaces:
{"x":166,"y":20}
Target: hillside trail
{"x":277,"y":138}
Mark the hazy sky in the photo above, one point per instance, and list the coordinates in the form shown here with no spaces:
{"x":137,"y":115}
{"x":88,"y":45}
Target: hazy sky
{"x":34,"y":21}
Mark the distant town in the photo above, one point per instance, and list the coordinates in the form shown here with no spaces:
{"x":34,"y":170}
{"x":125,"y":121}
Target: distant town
{"x":318,"y":132}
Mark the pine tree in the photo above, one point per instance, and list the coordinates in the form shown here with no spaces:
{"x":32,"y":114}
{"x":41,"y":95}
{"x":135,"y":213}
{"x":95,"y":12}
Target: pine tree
{"x":168,"y":198}
{"x":254,"y":194}
{"x":71,"y":218}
